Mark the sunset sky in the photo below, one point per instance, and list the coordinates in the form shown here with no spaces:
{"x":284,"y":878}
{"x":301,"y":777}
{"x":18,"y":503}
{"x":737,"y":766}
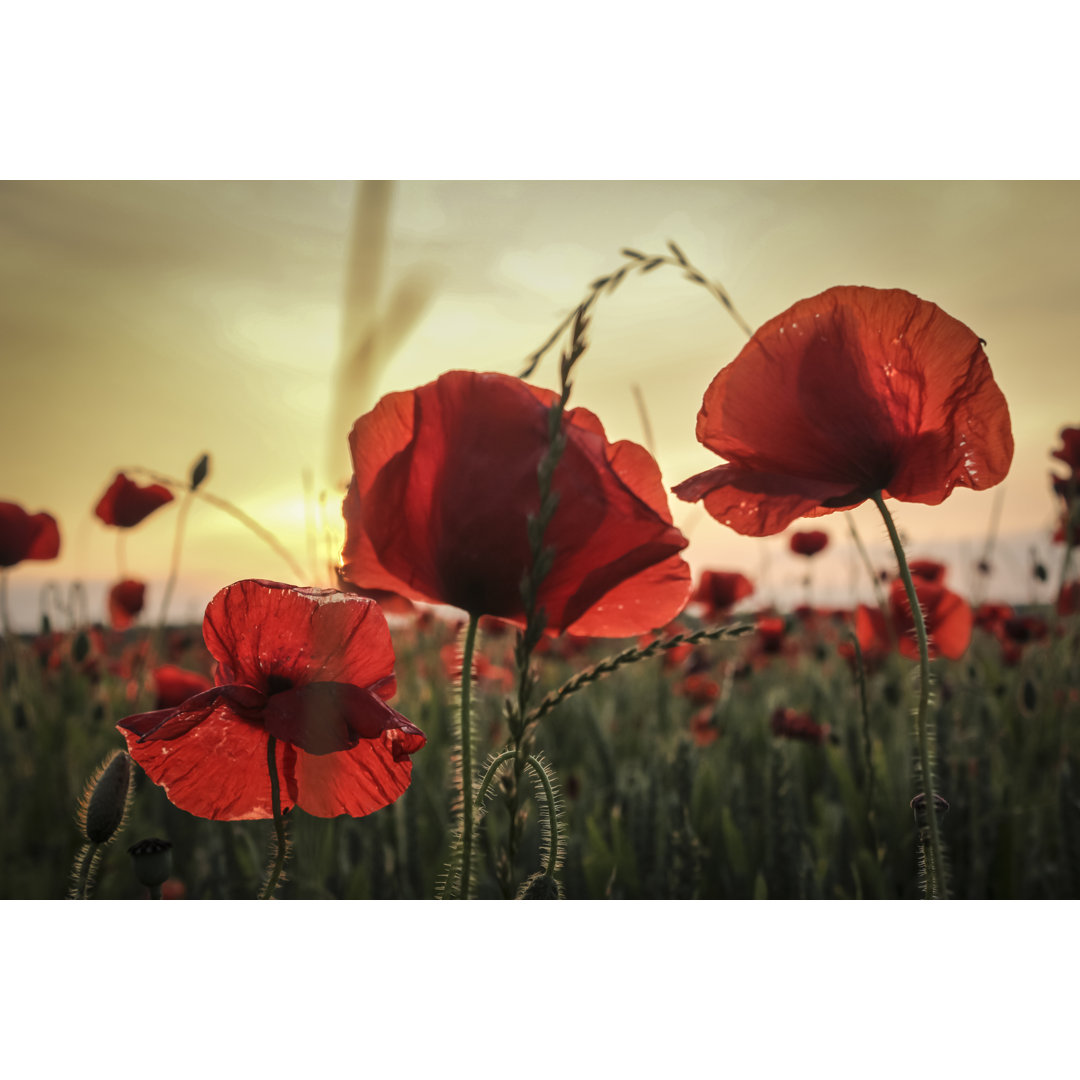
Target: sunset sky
{"x":144,"y":323}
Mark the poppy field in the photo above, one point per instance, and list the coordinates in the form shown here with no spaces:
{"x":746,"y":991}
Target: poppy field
{"x":519,"y":689}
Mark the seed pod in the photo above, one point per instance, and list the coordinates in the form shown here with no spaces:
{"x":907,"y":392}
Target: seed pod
{"x":152,"y":861}
{"x":105,"y":801}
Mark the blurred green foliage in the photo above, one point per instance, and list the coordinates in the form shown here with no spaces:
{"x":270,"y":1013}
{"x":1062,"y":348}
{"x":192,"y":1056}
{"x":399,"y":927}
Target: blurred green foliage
{"x":653,"y":808}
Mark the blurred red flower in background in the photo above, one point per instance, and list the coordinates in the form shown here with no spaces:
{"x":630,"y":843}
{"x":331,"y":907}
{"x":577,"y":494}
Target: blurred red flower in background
{"x":949,"y":621}
{"x":721,"y":590}
{"x":445,"y":479}
{"x":126,"y":599}
{"x":312,"y":668}
{"x":846,"y":394}
{"x":26,"y":536}
{"x":174,"y":685}
{"x":809,"y":543}
{"x":791,"y":724}
{"x":125,"y":503}
{"x":928,"y":570}
{"x":1069,"y":452}
{"x":1068,"y":601}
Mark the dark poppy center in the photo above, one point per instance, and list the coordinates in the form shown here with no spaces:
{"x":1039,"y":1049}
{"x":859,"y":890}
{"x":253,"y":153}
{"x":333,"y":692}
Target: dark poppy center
{"x":277,"y":684}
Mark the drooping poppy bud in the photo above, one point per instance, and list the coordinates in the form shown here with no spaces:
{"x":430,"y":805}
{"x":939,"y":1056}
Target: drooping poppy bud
{"x":105,"y":800}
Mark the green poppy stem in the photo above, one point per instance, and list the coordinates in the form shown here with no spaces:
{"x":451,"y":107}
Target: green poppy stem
{"x":279,"y":821}
{"x":467,"y":803}
{"x":924,"y":724}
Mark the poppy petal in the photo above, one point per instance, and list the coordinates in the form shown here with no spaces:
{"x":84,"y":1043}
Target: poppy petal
{"x":358,"y":781}
{"x":326,"y":717}
{"x":26,"y":536}
{"x":253,"y":628}
{"x":218,"y":770}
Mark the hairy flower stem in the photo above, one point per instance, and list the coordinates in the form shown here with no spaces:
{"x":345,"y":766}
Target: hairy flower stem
{"x":935,"y":864}
{"x":467,"y":790}
{"x":279,"y":822}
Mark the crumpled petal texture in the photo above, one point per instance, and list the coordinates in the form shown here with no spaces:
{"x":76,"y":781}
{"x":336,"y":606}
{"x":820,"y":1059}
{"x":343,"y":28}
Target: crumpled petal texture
{"x":851,"y":392}
{"x":445,"y":478}
{"x":312,"y":669}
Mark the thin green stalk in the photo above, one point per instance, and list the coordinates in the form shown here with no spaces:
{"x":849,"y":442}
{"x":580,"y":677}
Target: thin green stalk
{"x":279,"y":822}
{"x":467,"y":790}
{"x":121,"y":554}
{"x":233,"y":511}
{"x":1071,"y":495}
{"x":934,"y":865}
{"x":174,"y":566}
{"x":868,"y":745}
{"x":879,"y":596}
{"x":5,"y":616}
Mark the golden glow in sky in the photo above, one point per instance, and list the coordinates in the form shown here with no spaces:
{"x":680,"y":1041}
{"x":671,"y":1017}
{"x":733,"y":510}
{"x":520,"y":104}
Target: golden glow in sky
{"x":144,"y":323}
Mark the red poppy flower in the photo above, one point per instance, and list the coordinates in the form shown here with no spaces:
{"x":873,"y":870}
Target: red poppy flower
{"x":125,"y":503}
{"x":790,"y":724}
{"x":312,"y":668}
{"x":445,"y":479}
{"x":949,"y":621}
{"x":1068,"y":601}
{"x":26,"y":536}
{"x":126,"y":599}
{"x":809,"y":543}
{"x":174,"y":685}
{"x":699,"y":689}
{"x":928,"y":570}
{"x":721,"y":590}
{"x":1069,"y":452}
{"x":390,"y":602}
{"x":703,"y":727}
{"x":846,"y":394}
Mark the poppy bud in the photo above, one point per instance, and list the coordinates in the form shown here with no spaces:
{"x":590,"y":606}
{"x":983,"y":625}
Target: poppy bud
{"x":918,"y":808}
{"x":1029,"y":697}
{"x":46,"y":623}
{"x":105,"y":801}
{"x":200,"y":471}
{"x":1039,"y":572}
{"x":152,"y":861}
{"x":80,"y":647}
{"x":541,"y":887}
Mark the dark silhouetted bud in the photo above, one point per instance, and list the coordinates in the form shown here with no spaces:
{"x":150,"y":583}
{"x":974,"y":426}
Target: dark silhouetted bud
{"x":80,"y":647}
{"x":200,"y":471}
{"x":105,"y":800}
{"x":152,"y":861}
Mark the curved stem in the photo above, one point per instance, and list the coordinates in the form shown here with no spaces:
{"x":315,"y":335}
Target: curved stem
{"x":466,"y":758}
{"x":934,"y":865}
{"x":174,"y":567}
{"x":489,"y":776}
{"x":233,"y":511}
{"x":553,"y":815}
{"x":279,"y":823}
